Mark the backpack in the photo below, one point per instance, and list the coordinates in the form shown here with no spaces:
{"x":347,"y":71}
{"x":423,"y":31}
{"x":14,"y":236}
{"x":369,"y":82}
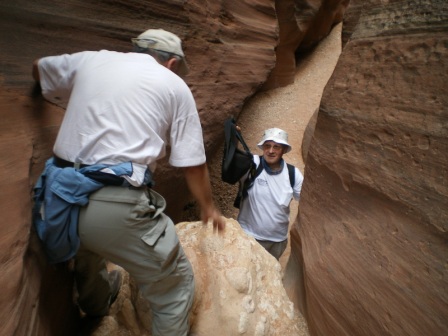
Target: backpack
{"x":235,"y":161}
{"x":248,"y":183}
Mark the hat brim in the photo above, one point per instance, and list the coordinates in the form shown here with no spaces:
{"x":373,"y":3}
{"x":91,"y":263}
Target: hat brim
{"x":281,"y":142}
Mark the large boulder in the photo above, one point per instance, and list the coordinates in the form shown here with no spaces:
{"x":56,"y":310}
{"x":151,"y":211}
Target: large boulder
{"x":239,"y":289}
{"x":370,"y":241}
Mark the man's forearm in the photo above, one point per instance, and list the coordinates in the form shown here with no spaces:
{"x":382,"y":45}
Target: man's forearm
{"x":199,"y":184}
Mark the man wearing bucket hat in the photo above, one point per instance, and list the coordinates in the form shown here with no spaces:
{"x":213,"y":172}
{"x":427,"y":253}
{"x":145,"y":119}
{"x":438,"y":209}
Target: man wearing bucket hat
{"x":264,"y":210}
{"x":122,"y":111}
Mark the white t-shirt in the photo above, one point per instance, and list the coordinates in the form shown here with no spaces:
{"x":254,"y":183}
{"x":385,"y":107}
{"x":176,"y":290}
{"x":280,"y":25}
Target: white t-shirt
{"x":264,"y":213}
{"x":121,"y":107}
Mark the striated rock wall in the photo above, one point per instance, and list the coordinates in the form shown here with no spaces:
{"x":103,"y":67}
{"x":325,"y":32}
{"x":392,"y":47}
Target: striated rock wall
{"x":302,"y":24}
{"x":372,"y":223}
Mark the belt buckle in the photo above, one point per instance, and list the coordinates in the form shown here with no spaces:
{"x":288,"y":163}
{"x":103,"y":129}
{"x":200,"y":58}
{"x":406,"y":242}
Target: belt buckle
{"x":77,"y":165}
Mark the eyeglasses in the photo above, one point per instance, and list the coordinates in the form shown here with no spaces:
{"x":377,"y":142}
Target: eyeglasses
{"x":276,"y":148}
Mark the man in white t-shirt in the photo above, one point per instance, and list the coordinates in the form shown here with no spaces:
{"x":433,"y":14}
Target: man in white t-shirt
{"x":264,"y":211}
{"x":127,"y":108}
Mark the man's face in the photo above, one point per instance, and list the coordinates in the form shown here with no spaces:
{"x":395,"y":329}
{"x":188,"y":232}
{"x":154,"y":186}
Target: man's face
{"x":272,"y":152}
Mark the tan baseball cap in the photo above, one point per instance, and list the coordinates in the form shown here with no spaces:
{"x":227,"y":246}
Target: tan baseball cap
{"x":159,"y":39}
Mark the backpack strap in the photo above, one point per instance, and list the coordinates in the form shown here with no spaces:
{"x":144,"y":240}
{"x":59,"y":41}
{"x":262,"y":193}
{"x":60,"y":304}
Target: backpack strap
{"x":251,"y":179}
{"x":249,"y":182}
{"x":231,"y":136}
{"x":235,"y":162}
{"x":292,"y":175}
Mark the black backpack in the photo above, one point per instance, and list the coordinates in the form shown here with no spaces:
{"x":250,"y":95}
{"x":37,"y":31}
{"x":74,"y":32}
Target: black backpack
{"x":235,"y":161}
{"x":248,"y":183}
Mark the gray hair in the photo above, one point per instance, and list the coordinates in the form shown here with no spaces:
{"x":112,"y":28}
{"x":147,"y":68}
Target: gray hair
{"x":159,"y":55}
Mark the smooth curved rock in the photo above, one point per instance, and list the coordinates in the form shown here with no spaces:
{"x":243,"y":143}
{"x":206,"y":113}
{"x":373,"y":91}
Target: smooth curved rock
{"x":373,"y":211}
{"x":308,"y":135}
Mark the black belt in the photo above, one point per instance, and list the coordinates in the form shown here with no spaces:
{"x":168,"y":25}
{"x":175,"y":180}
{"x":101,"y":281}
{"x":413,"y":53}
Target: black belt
{"x":105,"y":178}
{"x":61,"y":163}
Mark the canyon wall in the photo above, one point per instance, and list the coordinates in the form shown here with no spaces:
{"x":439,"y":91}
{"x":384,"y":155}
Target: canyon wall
{"x":372,"y":224}
{"x":302,"y":24}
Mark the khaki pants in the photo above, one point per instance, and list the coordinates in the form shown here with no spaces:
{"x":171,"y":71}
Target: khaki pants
{"x":274,"y":248}
{"x":127,"y":226}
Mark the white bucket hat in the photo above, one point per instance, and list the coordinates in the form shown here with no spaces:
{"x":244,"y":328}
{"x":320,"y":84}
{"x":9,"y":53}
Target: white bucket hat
{"x":159,"y":39}
{"x":277,"y":135}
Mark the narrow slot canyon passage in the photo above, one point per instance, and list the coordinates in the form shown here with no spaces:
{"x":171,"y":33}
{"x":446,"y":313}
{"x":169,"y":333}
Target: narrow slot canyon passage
{"x":289,"y":108}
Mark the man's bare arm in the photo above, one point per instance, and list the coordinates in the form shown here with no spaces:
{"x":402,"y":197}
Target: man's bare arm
{"x":199,"y":184}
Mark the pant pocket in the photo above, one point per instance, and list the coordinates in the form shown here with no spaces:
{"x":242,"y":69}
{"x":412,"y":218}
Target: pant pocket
{"x":163,"y":241}
{"x":155,"y":231}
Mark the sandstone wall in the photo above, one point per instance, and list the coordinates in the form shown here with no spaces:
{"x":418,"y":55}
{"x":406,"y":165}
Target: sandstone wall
{"x":302,"y":24}
{"x":373,"y":217}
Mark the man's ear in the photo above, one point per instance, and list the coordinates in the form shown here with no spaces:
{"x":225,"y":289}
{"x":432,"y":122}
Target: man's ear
{"x":173,"y":64}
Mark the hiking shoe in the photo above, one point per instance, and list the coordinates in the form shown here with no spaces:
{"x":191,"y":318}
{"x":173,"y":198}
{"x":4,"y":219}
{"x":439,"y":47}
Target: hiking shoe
{"x":115,"y":279}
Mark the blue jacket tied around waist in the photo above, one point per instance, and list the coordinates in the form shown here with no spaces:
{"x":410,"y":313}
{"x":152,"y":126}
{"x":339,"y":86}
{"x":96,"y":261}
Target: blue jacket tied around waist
{"x":58,"y":195}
